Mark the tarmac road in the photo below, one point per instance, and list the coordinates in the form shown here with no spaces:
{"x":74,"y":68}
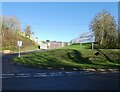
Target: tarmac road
{"x":17,"y":77}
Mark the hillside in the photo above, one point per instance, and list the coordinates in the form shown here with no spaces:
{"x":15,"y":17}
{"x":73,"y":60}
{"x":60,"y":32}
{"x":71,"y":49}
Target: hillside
{"x":11,"y":32}
{"x":10,"y":38}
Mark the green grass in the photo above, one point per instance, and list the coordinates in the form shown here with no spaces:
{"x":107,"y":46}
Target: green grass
{"x":28,"y":48}
{"x":77,"y":46}
{"x":71,"y":57}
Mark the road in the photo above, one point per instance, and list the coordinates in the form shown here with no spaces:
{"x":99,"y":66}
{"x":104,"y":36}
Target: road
{"x":18,"y":77}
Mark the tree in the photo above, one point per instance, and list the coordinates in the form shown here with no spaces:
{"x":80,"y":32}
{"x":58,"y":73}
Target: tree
{"x":10,"y":22}
{"x":119,"y":32}
{"x":10,"y":28}
{"x":10,"y":32}
{"x":47,"y":40}
{"x":28,"y":31}
{"x":104,"y":27}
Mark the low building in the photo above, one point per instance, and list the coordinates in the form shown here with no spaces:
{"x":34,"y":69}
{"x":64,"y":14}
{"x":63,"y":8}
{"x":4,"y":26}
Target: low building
{"x":55,"y":44}
{"x":43,"y":45}
{"x":50,"y":45}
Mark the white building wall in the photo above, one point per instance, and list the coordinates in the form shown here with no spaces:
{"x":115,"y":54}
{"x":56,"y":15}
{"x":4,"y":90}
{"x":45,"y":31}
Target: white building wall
{"x":42,"y":45}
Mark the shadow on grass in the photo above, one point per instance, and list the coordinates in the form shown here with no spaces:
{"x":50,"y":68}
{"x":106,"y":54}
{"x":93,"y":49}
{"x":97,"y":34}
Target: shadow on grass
{"x":107,"y":57}
{"x":76,"y":56}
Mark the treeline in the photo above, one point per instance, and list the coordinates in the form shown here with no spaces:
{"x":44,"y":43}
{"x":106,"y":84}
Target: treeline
{"x":106,"y":30}
{"x":11,"y":33}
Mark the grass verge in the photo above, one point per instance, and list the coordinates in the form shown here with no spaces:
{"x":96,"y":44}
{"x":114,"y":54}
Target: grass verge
{"x":72,"y":59}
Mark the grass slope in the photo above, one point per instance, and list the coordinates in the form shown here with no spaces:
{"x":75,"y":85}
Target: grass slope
{"x":69,"y":58}
{"x":76,"y":46}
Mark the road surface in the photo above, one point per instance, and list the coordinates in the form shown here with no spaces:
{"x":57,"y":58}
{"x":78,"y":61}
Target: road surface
{"x":18,"y":77}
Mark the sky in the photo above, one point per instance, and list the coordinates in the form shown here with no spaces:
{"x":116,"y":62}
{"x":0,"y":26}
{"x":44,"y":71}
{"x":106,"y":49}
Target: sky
{"x":57,"y":21}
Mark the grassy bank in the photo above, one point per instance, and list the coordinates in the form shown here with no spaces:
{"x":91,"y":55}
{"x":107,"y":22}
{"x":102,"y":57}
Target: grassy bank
{"x":76,"y":46}
{"x":71,"y":58}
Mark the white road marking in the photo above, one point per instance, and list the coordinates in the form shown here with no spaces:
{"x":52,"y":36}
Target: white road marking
{"x":56,"y":74}
{"x":6,"y":77}
{"x":7,"y":74}
{"x":43,"y":74}
{"x":40,"y":75}
{"x":21,"y":76}
{"x":69,"y":72}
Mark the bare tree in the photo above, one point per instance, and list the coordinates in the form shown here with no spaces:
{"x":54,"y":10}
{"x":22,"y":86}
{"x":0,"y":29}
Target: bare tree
{"x":28,"y":31}
{"x":10,"y":28}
